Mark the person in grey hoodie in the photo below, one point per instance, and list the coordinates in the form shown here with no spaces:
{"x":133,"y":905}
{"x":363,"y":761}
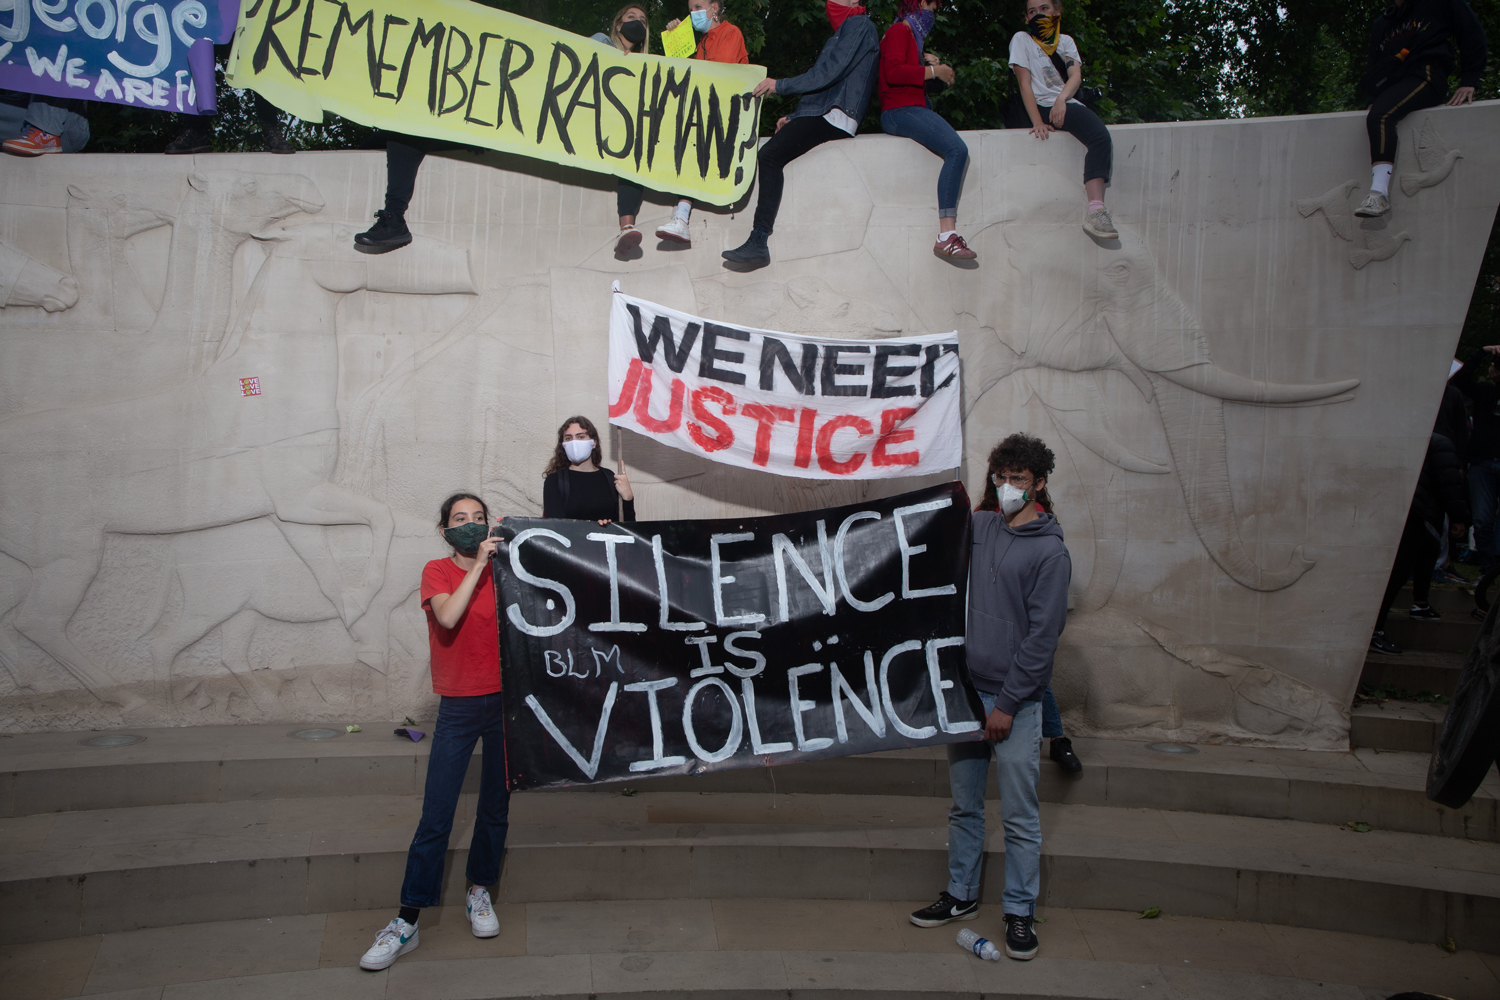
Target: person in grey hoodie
{"x":1019,"y":572}
{"x":835,"y":93}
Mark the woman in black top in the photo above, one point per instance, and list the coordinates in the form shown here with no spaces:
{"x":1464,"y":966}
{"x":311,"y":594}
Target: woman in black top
{"x":576,"y":486}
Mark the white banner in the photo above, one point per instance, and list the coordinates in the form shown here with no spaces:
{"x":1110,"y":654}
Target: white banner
{"x":791,"y":405}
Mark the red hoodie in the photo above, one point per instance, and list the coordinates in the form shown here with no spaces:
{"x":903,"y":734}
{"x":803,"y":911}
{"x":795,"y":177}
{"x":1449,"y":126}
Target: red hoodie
{"x":902,"y":74}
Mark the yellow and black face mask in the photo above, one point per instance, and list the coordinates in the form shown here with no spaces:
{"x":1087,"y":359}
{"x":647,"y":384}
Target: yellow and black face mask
{"x":1046,"y":29}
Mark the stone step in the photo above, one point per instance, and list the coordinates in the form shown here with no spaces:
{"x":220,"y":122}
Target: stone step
{"x":70,"y":874}
{"x":53,"y":772}
{"x":1453,"y":634}
{"x":1415,"y":671}
{"x":745,"y":949}
{"x":1408,"y":726}
{"x":1450,"y":600}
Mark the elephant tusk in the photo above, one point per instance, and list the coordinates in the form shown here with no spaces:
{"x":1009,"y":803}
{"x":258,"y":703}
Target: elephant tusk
{"x":1214,"y":381}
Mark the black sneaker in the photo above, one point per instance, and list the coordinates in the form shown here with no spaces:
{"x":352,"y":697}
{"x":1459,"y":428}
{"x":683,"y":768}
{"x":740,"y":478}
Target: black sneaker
{"x":753,"y":252}
{"x":193,"y":139}
{"x":275,"y":142}
{"x":1424,"y":612}
{"x":944,"y":910}
{"x":1020,"y":939}
{"x":389,"y":233}
{"x":1062,"y":752}
{"x":1380,"y":644}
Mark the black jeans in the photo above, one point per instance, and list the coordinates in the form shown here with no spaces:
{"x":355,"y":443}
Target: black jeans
{"x":628,"y":195}
{"x":1415,"y":557}
{"x":1424,"y":87}
{"x":403,"y":156}
{"x":795,"y":138}
{"x":1085,"y":126}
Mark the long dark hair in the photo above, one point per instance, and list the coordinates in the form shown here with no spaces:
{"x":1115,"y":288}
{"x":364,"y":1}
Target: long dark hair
{"x":560,"y":458}
{"x":1019,"y":451}
{"x":447,"y":508}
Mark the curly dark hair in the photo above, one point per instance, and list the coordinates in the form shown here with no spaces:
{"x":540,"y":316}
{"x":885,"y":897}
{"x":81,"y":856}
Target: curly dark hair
{"x":560,"y":458}
{"x":1019,"y":451}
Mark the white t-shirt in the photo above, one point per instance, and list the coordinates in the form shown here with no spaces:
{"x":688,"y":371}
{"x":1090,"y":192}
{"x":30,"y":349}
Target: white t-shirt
{"x":1046,"y":84}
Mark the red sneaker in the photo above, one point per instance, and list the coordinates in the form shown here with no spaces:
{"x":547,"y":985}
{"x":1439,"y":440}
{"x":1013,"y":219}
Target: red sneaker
{"x":953,"y":248}
{"x":33,"y":142}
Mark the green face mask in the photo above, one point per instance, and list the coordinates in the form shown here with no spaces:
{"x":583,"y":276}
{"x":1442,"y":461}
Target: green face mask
{"x":466,"y":538}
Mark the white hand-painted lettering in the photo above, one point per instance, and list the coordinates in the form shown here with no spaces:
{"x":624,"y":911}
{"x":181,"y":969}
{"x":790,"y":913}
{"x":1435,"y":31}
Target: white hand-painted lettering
{"x":747,"y":686}
{"x":939,"y":685}
{"x":663,"y":598}
{"x":781,"y":546}
{"x":526,"y":576}
{"x":800,"y":705}
{"x":658,"y":760}
{"x":839,"y":539}
{"x":908,"y":550}
{"x":840,"y":689}
{"x":736,"y":724}
{"x":719,"y":580}
{"x":610,"y":540}
{"x":910,"y":732}
{"x":589,"y":767}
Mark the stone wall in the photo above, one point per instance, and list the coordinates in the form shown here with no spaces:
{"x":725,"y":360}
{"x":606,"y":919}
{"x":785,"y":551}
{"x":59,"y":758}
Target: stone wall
{"x":1239,"y":394}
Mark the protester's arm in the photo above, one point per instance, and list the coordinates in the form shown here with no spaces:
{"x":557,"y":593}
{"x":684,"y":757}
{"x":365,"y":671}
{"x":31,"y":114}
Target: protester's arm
{"x":552,"y":505}
{"x":1039,"y":128}
{"x":1473,"y":51}
{"x":854,"y":44}
{"x":1047,"y":610}
{"x":897,"y":49}
{"x":448,"y":609}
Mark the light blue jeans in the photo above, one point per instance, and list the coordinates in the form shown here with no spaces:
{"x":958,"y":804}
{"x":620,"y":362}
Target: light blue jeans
{"x":1020,"y":762}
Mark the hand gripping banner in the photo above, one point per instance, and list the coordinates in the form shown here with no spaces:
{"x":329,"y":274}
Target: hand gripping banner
{"x":458,"y":71}
{"x":151,"y":55}
{"x":810,"y":407}
{"x":679,"y":647}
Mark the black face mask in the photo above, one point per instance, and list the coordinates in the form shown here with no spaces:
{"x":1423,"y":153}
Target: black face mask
{"x":633,"y":32}
{"x":466,"y":538}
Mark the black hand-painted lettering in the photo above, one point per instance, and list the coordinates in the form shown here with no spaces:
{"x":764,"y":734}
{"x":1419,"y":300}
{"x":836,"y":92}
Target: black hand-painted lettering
{"x":307,"y":35}
{"x":367,"y":24}
{"x":454,"y":72}
{"x":475,"y":82}
{"x":694,"y":115}
{"x":661,"y":332}
{"x":555,"y":90}
{"x":619,"y":106}
{"x":710,"y":353}
{"x":431,"y":36}
{"x":645,"y":112}
{"x":773,"y":351}
{"x":832,"y":369}
{"x":884,"y":370}
{"x":577,"y":101}
{"x":507,"y":84}
{"x":269,"y":40}
{"x":934,"y":352}
{"x":380,"y":64}
{"x":715,"y":137}
{"x":659,"y":101}
{"x":246,"y":15}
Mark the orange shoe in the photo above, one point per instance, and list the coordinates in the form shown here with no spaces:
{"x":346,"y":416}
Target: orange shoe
{"x":33,"y":142}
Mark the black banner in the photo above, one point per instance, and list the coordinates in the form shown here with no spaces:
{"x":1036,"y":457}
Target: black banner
{"x":679,"y":647}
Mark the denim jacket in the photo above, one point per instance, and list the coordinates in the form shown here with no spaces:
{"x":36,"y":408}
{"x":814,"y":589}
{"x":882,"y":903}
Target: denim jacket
{"x":844,"y":75}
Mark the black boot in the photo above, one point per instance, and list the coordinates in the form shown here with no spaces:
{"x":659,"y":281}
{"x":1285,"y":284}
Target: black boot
{"x":193,"y":139}
{"x":275,"y":142}
{"x":389,"y":233}
{"x":1062,"y":752}
{"x":753,"y":251}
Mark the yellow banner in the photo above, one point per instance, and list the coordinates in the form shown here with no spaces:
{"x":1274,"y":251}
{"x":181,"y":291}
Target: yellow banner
{"x":453,"y":70}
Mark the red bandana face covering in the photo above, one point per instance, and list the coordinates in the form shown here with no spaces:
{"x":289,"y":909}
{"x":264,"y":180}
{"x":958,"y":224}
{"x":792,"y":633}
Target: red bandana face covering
{"x":838,"y":13}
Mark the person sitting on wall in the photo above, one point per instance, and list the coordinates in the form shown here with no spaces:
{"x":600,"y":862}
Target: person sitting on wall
{"x":1439,"y":493}
{"x":34,"y":125}
{"x":835,"y":93}
{"x":1049,"y":71}
{"x":577,"y":486}
{"x":1483,"y":457}
{"x":721,"y":42}
{"x":628,"y":32}
{"x":458,"y":594}
{"x":906,"y":111}
{"x":1018,"y":602}
{"x":196,"y":131}
{"x":1411,"y":55}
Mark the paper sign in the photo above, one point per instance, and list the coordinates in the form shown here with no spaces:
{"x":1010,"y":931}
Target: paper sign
{"x":250,"y":386}
{"x":680,"y":42}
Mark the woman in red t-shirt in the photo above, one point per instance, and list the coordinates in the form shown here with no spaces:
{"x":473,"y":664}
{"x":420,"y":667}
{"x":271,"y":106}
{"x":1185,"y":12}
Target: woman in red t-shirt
{"x":458,"y":594}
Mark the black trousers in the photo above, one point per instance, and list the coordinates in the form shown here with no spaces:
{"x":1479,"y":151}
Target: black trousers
{"x":1424,"y":87}
{"x":795,"y":138}
{"x":403,"y":157}
{"x":628,"y":195}
{"x":1085,"y":126}
{"x":1415,"y":557}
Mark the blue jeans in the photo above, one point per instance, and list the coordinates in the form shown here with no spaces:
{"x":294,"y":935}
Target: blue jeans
{"x":460,"y":724}
{"x":1051,"y":716}
{"x":1020,"y":762}
{"x":933,"y":131}
{"x":1484,"y":489}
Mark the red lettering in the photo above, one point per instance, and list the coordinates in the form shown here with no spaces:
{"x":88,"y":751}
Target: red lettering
{"x":722,"y":437}
{"x":889,"y":421}
{"x":805,"y":437}
{"x":643,"y":406}
{"x":621,"y":406}
{"x":826,"y":461}
{"x":766,"y":417}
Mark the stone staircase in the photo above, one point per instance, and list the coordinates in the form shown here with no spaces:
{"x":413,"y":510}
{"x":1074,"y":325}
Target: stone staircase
{"x":243,"y":861}
{"x":1432,"y":658}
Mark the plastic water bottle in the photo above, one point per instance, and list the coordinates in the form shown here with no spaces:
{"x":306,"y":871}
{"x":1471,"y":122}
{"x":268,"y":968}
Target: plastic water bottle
{"x":983,"y":947}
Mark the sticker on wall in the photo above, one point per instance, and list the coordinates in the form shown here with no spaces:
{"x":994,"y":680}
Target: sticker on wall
{"x":250,"y":386}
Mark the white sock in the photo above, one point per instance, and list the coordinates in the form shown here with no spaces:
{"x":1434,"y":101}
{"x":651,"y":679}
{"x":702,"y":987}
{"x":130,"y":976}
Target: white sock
{"x":944,"y":236}
{"x":684,"y":209}
{"x":1380,"y":179}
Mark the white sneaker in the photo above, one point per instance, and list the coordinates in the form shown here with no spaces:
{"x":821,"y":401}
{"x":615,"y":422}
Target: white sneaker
{"x":1099,"y":225}
{"x":1374,"y":206}
{"x":675,"y":231}
{"x":398,"y":938}
{"x":481,"y":914}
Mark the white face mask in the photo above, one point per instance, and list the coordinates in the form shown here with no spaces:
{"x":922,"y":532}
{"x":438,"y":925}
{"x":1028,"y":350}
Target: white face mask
{"x":578,"y":451}
{"x":1011,"y":499}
